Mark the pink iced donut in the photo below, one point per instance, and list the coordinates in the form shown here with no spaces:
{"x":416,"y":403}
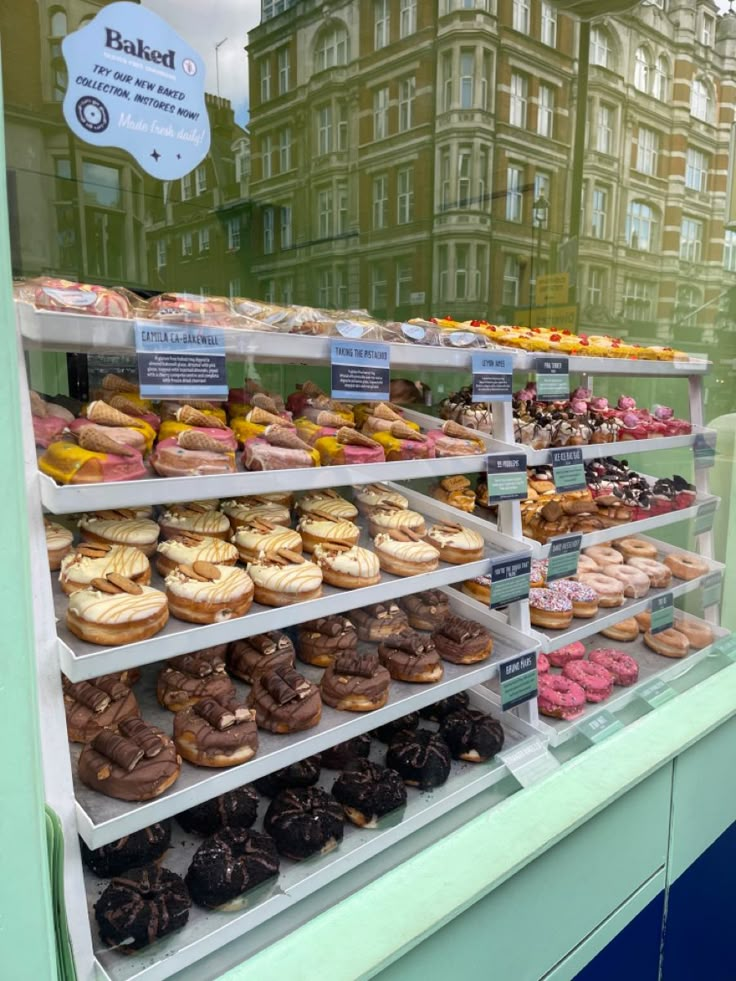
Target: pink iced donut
{"x":635,"y":582}
{"x":571,"y":652}
{"x":626,"y":402}
{"x":596,"y":682}
{"x":622,"y":666}
{"x":660,"y":575}
{"x":604,"y":555}
{"x":586,"y":564}
{"x":542,"y":664}
{"x":559,"y":697}
{"x":610,"y":591}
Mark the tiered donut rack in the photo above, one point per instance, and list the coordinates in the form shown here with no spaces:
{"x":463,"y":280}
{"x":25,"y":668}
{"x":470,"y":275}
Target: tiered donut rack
{"x":302,"y":889}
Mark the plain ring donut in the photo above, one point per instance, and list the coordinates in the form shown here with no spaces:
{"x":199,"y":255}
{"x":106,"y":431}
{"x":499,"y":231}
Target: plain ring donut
{"x":686,"y":566}
{"x":604,"y":555}
{"x":636,"y":548}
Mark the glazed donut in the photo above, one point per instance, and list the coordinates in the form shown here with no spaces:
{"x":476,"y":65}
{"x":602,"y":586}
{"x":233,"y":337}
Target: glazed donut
{"x":643,"y":620}
{"x":634,"y":581}
{"x":144,"y":905}
{"x":549,"y":608}
{"x":699,"y":634}
{"x":584,"y":598}
{"x":685,"y":566}
{"x":635,"y":548}
{"x":542,"y":664}
{"x":479,"y":588}
{"x":595,"y":680}
{"x":660,"y":575}
{"x":622,"y":666}
{"x":668,"y":643}
{"x":604,"y":555}
{"x":586,"y":564}
{"x":560,"y":698}
{"x":610,"y":591}
{"x":623,"y":630}
{"x":571,"y":652}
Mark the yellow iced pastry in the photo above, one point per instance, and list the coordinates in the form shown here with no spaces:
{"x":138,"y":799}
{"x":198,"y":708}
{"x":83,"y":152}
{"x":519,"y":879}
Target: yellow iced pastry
{"x":67,"y":463}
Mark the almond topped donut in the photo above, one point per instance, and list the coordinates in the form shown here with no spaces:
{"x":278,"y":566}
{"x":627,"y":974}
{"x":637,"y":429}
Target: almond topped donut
{"x":243,"y":510}
{"x":319,"y":528}
{"x":402,"y":552}
{"x":328,"y":502}
{"x":349,"y":567}
{"x":374,"y":495}
{"x":58,"y":542}
{"x":116,"y":610}
{"x":257,"y":535}
{"x":120,"y":528}
{"x":186,"y":518}
{"x":456,"y":544}
{"x":385,"y":518}
{"x":284,"y":577}
{"x":207,"y":593}
{"x":88,"y":562}
{"x":188,"y":548}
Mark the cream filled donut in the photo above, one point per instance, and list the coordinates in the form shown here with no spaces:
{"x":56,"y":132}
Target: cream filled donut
{"x":328,"y":502}
{"x":183,"y":550}
{"x":375,"y":495}
{"x":603,"y":555}
{"x":244,"y":510}
{"x":385,"y":518}
{"x":635,"y":582}
{"x":660,"y":576}
{"x":90,"y":562}
{"x":401,"y":555}
{"x":455,"y":543}
{"x":58,"y":543}
{"x":610,"y":591}
{"x":207,"y":593}
{"x":212,"y":524}
{"x":116,"y":611}
{"x":347,"y":567}
{"x":261,"y":536}
{"x":140,"y":532}
{"x":285,"y":577}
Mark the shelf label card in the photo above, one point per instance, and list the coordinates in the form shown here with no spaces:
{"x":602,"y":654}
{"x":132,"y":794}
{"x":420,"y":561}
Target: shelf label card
{"x":177,"y":361}
{"x":705,"y":517}
{"x":506,"y":477}
{"x":518,"y":680}
{"x":711,"y":585}
{"x":564,"y":553}
{"x":360,"y":372}
{"x":726,"y":646}
{"x":599,"y":726}
{"x":655,"y":692}
{"x":568,"y":469}
{"x":510,"y":580}
{"x":492,"y":377}
{"x":663,"y":613}
{"x":704,"y":450}
{"x":553,"y":378}
{"x":530,"y":762}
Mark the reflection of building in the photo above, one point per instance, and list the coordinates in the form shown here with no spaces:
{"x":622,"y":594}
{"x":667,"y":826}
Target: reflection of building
{"x":399,"y":149}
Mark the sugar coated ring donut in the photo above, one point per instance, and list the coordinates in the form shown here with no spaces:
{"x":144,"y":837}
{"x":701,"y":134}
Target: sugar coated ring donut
{"x":571,"y":652}
{"x":604,"y":555}
{"x":559,"y":697}
{"x":698,"y":633}
{"x":635,"y":582}
{"x":686,"y":566}
{"x":550,"y":601}
{"x":596,"y":681}
{"x":622,"y":666}
{"x":660,"y":576}
{"x":542,"y":664}
{"x":610,"y":591}
{"x":636,"y":548}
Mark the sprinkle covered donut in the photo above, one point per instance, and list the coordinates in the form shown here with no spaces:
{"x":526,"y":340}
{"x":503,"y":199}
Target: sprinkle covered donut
{"x":570,"y":652}
{"x":542,"y":664}
{"x":549,"y":608}
{"x":584,"y":598}
{"x":596,"y":681}
{"x":560,"y":698}
{"x":622,"y":666}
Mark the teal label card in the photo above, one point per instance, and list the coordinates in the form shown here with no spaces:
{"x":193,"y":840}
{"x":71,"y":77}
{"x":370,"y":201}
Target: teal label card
{"x":599,"y":726}
{"x":663,"y":613}
{"x":518,"y":680}
{"x":553,"y":379}
{"x":704,"y":450}
{"x":568,"y":469}
{"x":711,"y":585}
{"x":492,"y":377}
{"x":506,"y":477}
{"x":510,"y":580}
{"x":705,"y":517}
{"x":655,"y":692}
{"x":564,"y":553}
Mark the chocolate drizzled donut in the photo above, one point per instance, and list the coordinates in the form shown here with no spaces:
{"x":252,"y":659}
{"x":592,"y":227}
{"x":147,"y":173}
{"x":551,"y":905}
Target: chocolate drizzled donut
{"x":438,"y":710}
{"x":355,"y":682}
{"x":140,"y":907}
{"x":411,"y":656}
{"x":139,"y":764}
{"x":407,"y":723}
{"x":230,"y":863}
{"x":422,"y":758}
{"x":285,"y":701}
{"x":426,"y":610}
{"x":367,"y":791}
{"x":177,"y":689}
{"x":249,"y":658}
{"x":212,"y":656}
{"x":462,"y":641}
{"x":321,"y":641}
{"x":379,"y":621}
{"x":304,"y":822}
{"x":472,"y":736}
{"x":130,"y":852}
{"x":304,"y":773}
{"x":336,"y":757}
{"x":235,"y":809}
{"x":91,"y":706}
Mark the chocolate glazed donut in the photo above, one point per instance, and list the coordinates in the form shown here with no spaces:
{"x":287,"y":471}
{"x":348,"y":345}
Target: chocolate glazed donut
{"x":304,"y":773}
{"x":472,"y":736}
{"x":304,"y":822}
{"x":140,"y":907}
{"x":130,"y":852}
{"x":367,"y":791}
{"x":422,"y":758}
{"x":235,"y":809}
{"x":230,"y":863}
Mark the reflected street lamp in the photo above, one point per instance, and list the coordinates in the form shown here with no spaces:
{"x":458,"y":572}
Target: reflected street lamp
{"x":540,"y":213}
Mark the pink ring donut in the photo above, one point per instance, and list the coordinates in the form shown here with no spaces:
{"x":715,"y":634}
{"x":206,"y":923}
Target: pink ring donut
{"x":571,"y":652}
{"x":660,"y":575}
{"x":559,"y":697}
{"x":596,"y":682}
{"x":635,"y":582}
{"x":604,"y":555}
{"x":622,"y":666}
{"x":610,"y":591}
{"x":586,"y":564}
{"x":542,"y":664}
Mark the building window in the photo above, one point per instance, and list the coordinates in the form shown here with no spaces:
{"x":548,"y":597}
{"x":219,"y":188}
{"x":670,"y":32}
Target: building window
{"x":285,"y":149}
{"x":342,"y":208}
{"x":661,"y":77}
{"x":234,"y":287}
{"x":407,"y":91}
{"x":640,"y":226}
{"x":511,"y":278}
{"x":600,"y":48}
{"x":265,"y":79}
{"x":186,"y":245}
{"x":267,"y":231}
{"x":405,"y":196}
{"x":331,"y":49}
{"x":204,"y":240}
{"x":342,"y":126}
{"x":285,"y":226}
{"x":379,"y":286}
{"x":696,"y":170}
{"x":341,"y":288}
{"x":447,"y":80}
{"x":283,"y":58}
{"x":380,"y":113}
{"x":324,"y":212}
{"x":233,"y":234}
{"x":443,"y":271}
{"x":266,"y":156}
{"x":520,"y":16}
{"x":324,"y":130}
{"x":542,"y":193}
{"x":381,"y":24}
{"x":637,"y":299}
{"x":268,"y":289}
{"x":604,"y":135}
{"x":462,"y":277}
{"x":518,"y":101}
{"x":445,"y":180}
{"x":380,"y":201}
{"x":689,"y":299}
{"x":514,"y":177}
{"x":549,"y":24}
{"x":186,"y":187}
{"x":483,"y":179}
{"x":701,"y":102}
{"x":729,"y":252}
{"x":599,"y":212}
{"x":485,"y":82}
{"x":646,"y":151}
{"x":642,"y":70}
{"x":325,"y":287}
{"x":161,"y":253}
{"x":467,"y":78}
{"x":464,"y":160}
{"x":287,"y":291}
{"x":596,"y":280}
{"x":546,"y":110}
{"x":201,"y":179}
{"x":691,"y":240}
{"x":57,"y":32}
{"x":404,"y":278}
{"x":407,"y":18}
{"x":241,"y":164}
{"x":707,"y":31}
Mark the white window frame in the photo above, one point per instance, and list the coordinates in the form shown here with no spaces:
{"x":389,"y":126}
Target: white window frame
{"x":520,"y":16}
{"x":642,"y":70}
{"x":233,"y":234}
{"x":599,"y":213}
{"x":542,"y":189}
{"x":511,"y":281}
{"x":342,"y":207}
{"x":641,"y":221}
{"x":405,"y":196}
{"x":707,"y":30}
{"x":605,"y":137}
{"x":200,"y":177}
{"x":445,"y":168}
{"x":285,"y":226}
{"x":660,"y":84}
{"x":379,"y":198}
{"x":186,"y":245}
{"x":407,"y":94}
{"x":729,"y":251}
{"x":467,"y":78}
{"x":464,"y":197}
{"x":265,"y":72}
{"x":331,"y":49}
{"x":186,"y":187}
{"x":203,"y":243}
{"x":325,"y":212}
{"x":448,"y":79}
{"x":268,"y":227}
{"x":266,"y":156}
{"x":161,"y":253}
{"x":404,"y":278}
{"x":697,"y":166}
{"x":379,"y":286}
{"x":324,"y":289}
{"x":637,"y":291}
{"x":546,"y":111}
{"x":701,"y":100}
{"x":691,"y":240}
{"x":518,"y":100}
{"x":284,"y":69}
{"x":647,"y":150}
{"x":285,"y":145}
{"x":514,"y":193}
{"x":595,"y":286}
{"x":463,"y":272}
{"x":324,"y":130}
{"x":381,"y":24}
{"x":380,"y":113}
{"x":549,"y":24}
{"x":407,"y":18}
{"x":600,"y":48}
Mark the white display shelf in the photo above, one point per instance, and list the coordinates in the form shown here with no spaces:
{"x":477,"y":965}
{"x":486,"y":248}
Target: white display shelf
{"x":80,"y":660}
{"x":102,"y":819}
{"x":207,"y":930}
{"x":108,"y":335}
